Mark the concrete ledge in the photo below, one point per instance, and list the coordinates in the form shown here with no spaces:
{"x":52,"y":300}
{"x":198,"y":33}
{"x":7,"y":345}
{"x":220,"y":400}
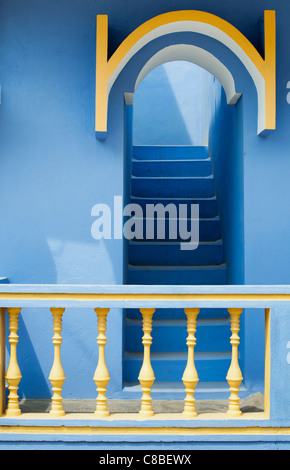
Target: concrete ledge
{"x":253,"y":404}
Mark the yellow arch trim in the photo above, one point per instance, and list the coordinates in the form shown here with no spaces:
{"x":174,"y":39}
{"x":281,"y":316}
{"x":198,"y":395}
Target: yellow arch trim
{"x":263,"y":71}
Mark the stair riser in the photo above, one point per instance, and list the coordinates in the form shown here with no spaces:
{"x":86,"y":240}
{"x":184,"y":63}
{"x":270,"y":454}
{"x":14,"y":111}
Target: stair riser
{"x":209,"y":370}
{"x":191,"y":188}
{"x":172,"y":338}
{"x":172,"y":169}
{"x":178,"y":314}
{"x":172,"y":255}
{"x":169,"y":153}
{"x":209,"y":231}
{"x":177,"y":277}
{"x":207,"y":208}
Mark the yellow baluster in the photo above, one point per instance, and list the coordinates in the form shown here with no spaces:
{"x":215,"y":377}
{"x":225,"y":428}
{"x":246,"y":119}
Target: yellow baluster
{"x":57,"y":376}
{"x":146,"y":377}
{"x":13,"y":374}
{"x":190,"y":377}
{"x":234,"y":376}
{"x":102,"y":377}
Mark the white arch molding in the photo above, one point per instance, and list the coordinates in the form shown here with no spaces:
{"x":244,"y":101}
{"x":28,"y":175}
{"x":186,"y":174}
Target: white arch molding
{"x":197,"y":56}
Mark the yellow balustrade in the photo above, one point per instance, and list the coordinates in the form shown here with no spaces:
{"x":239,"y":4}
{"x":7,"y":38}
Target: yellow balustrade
{"x":13,"y":374}
{"x":102,"y":376}
{"x":190,"y":377}
{"x":57,"y":376}
{"x":146,"y":377}
{"x":234,"y":376}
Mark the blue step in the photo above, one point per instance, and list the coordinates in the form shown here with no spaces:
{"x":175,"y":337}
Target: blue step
{"x":177,"y":175}
{"x":209,"y":230}
{"x":176,"y":391}
{"x":171,"y":168}
{"x":178,"y":314}
{"x":207,"y":206}
{"x":210,"y":366}
{"x":200,"y":187}
{"x":170,"y":254}
{"x":169,"y":153}
{"x":173,"y":275}
{"x":171,"y":335}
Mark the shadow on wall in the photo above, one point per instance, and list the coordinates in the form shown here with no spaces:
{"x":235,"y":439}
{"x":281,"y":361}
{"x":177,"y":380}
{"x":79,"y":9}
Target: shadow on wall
{"x":58,"y":172}
{"x":168,"y":106}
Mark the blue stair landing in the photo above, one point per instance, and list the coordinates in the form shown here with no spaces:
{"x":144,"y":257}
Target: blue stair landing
{"x":177,"y":175}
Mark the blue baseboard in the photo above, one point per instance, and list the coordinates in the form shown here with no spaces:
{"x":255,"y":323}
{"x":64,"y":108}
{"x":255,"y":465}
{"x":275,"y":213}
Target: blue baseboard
{"x":150,"y":442}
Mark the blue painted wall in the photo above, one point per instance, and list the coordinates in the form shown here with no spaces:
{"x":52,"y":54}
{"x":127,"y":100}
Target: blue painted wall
{"x":226,"y":150}
{"x":59,"y":172}
{"x":168,"y":106}
{"x":280,"y":363}
{"x":52,"y":170}
{"x":226,"y":147}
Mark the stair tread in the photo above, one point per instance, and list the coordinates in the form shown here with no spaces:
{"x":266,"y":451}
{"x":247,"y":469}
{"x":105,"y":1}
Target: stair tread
{"x":209,"y":177}
{"x":178,"y":160}
{"x":179,"y":268}
{"x":174,"y":243}
{"x":164,"y":146}
{"x":160,"y":198}
{"x":205,"y":219}
{"x":169,"y":386}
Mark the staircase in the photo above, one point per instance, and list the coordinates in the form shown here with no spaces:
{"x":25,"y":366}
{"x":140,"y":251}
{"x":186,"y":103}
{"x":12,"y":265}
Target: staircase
{"x":178,"y":175}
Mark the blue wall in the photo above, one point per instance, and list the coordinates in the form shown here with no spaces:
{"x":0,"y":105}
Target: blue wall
{"x":52,"y":170}
{"x":167,"y":106}
{"x":226,"y":151}
{"x":226,"y":148}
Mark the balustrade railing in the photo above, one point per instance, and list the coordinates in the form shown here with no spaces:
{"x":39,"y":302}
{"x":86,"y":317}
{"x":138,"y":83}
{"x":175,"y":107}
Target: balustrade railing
{"x":103,"y":300}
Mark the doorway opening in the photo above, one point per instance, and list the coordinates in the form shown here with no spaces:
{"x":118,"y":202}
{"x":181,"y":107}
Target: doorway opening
{"x":186,"y":150}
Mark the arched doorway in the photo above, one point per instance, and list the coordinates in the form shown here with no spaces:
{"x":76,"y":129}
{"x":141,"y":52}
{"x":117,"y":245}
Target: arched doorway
{"x":220,"y":48}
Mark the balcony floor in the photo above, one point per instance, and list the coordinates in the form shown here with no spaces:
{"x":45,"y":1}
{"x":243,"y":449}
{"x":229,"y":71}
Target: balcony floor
{"x":252,"y":404}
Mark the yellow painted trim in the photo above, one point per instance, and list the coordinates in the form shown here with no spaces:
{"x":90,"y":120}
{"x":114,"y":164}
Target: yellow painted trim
{"x":267,"y":361}
{"x":109,"y":70}
{"x":252,"y":431}
{"x":102,"y":73}
{"x":183,"y":16}
{"x":270,"y":69}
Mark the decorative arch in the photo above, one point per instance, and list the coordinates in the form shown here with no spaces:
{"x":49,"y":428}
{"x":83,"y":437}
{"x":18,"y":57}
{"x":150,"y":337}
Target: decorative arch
{"x":262,"y":71}
{"x":197,"y":56}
